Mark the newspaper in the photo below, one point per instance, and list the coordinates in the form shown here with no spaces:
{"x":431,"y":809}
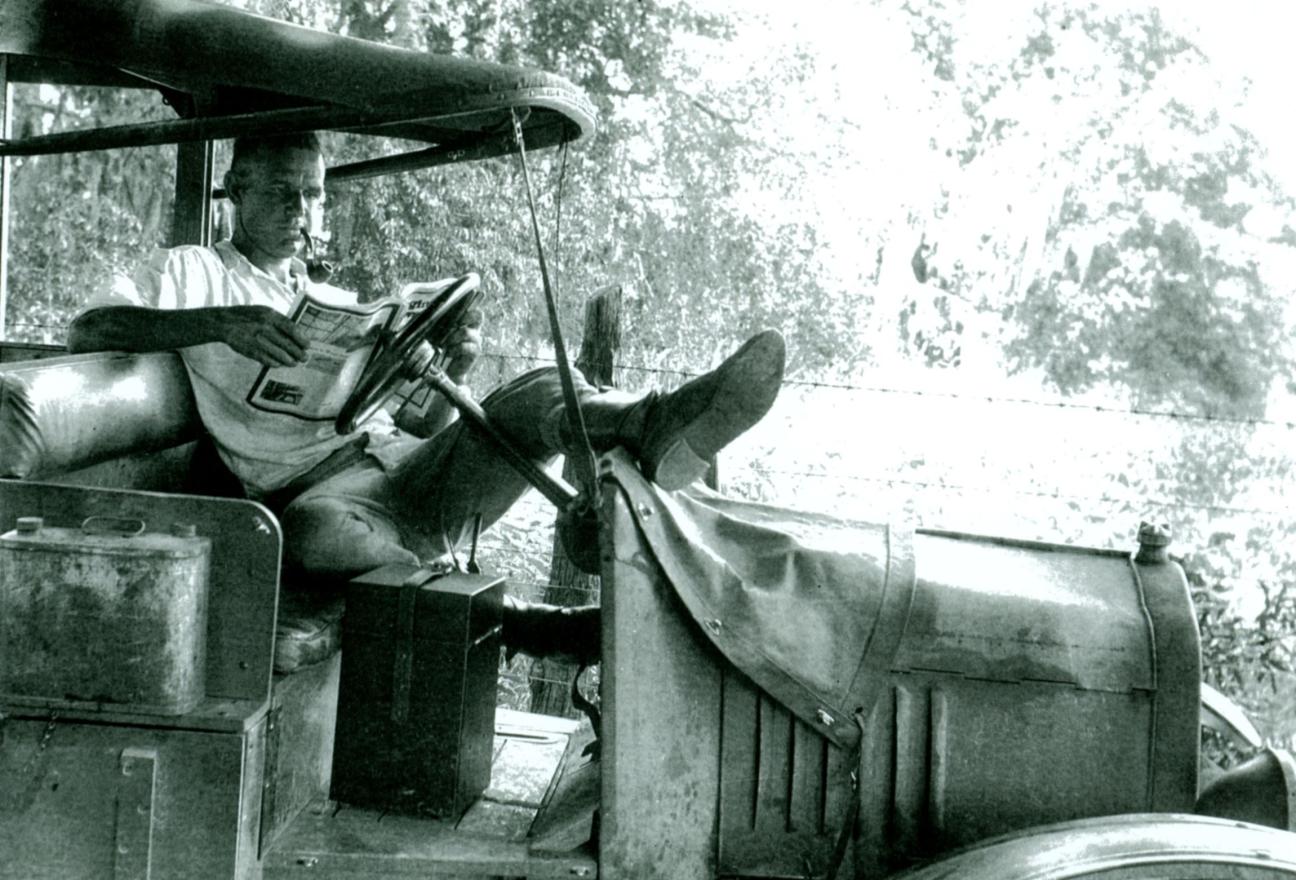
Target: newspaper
{"x":342,"y":341}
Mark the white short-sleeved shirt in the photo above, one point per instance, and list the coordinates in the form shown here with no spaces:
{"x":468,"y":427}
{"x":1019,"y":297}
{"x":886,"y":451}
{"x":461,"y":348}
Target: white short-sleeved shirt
{"x":264,"y":450}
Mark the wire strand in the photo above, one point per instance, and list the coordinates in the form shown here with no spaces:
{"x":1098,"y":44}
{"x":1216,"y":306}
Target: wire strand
{"x":1036,"y":493}
{"x":952,"y":395}
{"x":882,"y":389}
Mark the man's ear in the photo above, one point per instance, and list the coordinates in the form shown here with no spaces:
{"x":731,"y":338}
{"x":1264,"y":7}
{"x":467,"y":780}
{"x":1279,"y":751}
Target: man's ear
{"x":233,"y":187}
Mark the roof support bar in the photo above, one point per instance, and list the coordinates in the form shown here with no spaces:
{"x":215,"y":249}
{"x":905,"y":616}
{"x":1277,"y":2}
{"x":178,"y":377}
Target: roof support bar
{"x":200,"y":128}
{"x":445,"y":153}
{"x":147,"y":134}
{"x":192,"y":221}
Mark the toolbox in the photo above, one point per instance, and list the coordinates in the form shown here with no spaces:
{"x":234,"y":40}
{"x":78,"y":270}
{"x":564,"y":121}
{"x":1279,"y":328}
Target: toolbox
{"x":416,"y":704}
{"x":107,"y":614}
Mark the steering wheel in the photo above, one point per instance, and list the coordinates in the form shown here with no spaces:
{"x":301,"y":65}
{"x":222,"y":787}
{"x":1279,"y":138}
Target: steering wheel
{"x":388,"y":372}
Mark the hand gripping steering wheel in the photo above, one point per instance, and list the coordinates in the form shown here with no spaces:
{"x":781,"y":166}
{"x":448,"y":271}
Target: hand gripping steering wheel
{"x":388,"y":370}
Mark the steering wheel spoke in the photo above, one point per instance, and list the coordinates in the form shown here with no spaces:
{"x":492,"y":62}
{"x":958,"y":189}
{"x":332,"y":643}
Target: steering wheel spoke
{"x":391,"y":368}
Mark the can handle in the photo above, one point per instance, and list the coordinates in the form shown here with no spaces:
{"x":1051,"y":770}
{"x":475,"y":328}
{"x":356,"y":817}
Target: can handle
{"x":125,"y":526}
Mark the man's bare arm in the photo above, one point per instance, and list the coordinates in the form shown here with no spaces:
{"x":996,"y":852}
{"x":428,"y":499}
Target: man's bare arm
{"x":256,"y":332}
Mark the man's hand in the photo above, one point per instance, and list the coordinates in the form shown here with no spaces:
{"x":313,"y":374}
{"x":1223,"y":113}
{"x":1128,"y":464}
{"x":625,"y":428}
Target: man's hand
{"x":262,"y":334}
{"x":463,"y":345}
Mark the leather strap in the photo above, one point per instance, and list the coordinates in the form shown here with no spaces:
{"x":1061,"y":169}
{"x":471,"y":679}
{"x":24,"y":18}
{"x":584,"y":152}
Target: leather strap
{"x":852,"y":812}
{"x":337,"y":461}
{"x":843,"y":837}
{"x":403,"y":656}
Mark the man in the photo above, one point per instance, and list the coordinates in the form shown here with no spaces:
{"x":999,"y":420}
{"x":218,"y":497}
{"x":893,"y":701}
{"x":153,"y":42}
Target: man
{"x":349,"y":504}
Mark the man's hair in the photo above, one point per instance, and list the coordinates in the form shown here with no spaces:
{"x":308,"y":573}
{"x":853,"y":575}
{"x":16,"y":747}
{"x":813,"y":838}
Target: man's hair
{"x":250,"y":145}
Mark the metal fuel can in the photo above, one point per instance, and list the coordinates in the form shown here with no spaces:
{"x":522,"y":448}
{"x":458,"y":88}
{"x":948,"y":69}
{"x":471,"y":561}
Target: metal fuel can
{"x":107,"y":615}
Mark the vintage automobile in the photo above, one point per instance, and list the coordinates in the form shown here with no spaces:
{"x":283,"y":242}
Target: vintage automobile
{"x":783,"y":694}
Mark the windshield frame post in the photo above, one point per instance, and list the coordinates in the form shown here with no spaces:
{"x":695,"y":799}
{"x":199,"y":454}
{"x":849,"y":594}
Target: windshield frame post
{"x":6,"y":184}
{"x":191,"y":222}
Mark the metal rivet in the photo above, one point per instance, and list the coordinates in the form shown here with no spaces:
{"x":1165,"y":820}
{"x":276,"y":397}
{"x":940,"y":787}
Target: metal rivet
{"x":307,"y":861}
{"x":645,"y":510}
{"x":714,"y":625}
{"x":825,"y":719}
{"x":581,"y":871}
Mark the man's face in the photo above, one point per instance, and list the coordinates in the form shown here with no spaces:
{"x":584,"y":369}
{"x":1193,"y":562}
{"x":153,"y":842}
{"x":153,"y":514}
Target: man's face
{"x":278,"y":193}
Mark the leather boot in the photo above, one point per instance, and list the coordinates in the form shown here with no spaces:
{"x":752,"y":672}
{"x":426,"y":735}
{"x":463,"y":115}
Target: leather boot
{"x":675,"y":435}
{"x":542,"y":630}
{"x":686,"y":428}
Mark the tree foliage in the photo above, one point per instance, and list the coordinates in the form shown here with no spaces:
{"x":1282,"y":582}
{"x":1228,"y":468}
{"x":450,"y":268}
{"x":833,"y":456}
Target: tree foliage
{"x":78,"y":216}
{"x":1136,"y":266}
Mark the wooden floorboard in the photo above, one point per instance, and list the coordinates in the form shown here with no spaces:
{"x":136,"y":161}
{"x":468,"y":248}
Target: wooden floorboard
{"x":331,"y":841}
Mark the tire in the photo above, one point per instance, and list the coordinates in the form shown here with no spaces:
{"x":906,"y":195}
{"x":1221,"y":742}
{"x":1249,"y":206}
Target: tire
{"x":1151,"y":846}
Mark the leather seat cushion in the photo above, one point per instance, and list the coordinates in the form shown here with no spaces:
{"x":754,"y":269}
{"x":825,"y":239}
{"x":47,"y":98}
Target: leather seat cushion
{"x":309,"y":627}
{"x":66,"y":413}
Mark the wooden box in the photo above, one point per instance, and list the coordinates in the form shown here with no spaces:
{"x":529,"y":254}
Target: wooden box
{"x":416,"y":706}
{"x":84,"y":800}
{"x":299,"y":745}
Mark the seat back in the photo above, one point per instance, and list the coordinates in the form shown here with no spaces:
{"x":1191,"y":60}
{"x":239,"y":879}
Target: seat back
{"x":108,"y":419}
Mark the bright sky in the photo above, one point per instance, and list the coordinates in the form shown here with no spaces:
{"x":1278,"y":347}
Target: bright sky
{"x":1252,"y":39}
{"x":1247,"y":40}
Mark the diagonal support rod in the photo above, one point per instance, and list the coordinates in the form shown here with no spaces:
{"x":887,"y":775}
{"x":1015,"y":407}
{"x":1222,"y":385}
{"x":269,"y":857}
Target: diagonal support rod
{"x":583,"y":454}
{"x":556,"y":490}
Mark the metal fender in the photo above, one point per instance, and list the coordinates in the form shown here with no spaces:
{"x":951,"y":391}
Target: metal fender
{"x":1165,"y":846}
{"x":1262,"y":789}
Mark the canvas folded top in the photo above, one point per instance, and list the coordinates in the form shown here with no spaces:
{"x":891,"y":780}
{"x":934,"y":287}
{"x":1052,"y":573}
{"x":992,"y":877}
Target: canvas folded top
{"x":810,"y":607}
{"x":65,"y":413}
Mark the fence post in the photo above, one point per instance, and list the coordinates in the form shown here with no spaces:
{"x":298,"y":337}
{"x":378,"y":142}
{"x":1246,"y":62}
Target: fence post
{"x":6,"y":183}
{"x":568,"y":585}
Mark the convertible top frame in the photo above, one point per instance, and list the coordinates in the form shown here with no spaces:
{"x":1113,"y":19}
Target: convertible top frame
{"x":226,"y":72}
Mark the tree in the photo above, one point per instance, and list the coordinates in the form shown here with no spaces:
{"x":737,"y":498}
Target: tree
{"x":79,"y":217}
{"x":1137,"y":266}
{"x":655,"y":202}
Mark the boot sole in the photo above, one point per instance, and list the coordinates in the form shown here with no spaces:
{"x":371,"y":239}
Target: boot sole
{"x":749,"y":383}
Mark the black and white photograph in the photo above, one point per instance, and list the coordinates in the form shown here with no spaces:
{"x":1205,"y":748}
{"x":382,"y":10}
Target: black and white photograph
{"x":647,"y":440}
